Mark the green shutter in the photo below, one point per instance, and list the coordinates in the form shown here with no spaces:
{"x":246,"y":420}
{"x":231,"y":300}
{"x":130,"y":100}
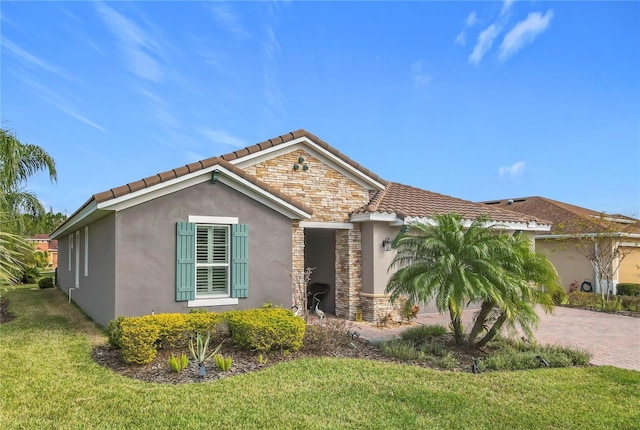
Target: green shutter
{"x":240,"y":260}
{"x":185,"y":261}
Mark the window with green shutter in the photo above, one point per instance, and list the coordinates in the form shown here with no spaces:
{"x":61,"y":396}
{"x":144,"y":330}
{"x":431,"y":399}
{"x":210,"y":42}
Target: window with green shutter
{"x":212,"y":261}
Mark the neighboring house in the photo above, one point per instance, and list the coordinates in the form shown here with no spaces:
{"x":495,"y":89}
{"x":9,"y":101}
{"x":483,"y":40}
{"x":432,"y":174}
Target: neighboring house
{"x":46,"y":245}
{"x":561,"y":245}
{"x":229,"y":232}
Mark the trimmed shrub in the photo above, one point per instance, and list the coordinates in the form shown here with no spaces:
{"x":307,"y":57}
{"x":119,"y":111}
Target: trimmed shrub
{"x":628,"y":289}
{"x":138,"y":339}
{"x":266,"y":330}
{"x":137,"y":336}
{"x":45,"y":283}
{"x":519,"y":359}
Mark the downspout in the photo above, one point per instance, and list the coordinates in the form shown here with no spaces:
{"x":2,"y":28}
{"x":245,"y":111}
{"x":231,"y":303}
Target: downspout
{"x":69,"y":293}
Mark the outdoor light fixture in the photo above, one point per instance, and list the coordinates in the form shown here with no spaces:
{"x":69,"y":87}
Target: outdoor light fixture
{"x":386,"y":244}
{"x":214,"y":176}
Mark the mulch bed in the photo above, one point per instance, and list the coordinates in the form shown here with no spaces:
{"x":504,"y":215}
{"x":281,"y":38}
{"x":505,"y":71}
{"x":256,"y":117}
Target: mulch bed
{"x":5,"y":315}
{"x":243,"y":361}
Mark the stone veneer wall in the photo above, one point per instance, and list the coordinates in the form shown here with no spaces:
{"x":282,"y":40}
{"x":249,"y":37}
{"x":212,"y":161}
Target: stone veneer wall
{"x":377,"y":306}
{"x":297,"y":262}
{"x":331,"y":195}
{"x":348,"y":272}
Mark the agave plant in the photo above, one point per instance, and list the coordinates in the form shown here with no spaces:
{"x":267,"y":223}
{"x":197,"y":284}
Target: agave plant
{"x":200,"y":351}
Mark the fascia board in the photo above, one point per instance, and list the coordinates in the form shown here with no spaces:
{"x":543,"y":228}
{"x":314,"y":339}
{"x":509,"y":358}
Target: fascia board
{"x":374,"y":216}
{"x":77,"y":219}
{"x":228,"y":178}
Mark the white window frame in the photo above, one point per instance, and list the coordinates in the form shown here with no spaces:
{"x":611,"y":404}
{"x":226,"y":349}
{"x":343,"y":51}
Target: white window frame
{"x":226,"y":264}
{"x":77,"y":253}
{"x":70,"y":238}
{"x":86,"y":251}
{"x":213,"y":301}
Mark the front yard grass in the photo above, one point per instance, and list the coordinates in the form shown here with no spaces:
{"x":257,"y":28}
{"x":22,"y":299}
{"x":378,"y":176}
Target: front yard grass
{"x":48,"y":380}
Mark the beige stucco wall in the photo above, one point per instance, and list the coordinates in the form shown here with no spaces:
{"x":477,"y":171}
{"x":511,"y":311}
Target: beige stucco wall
{"x":630,"y":265}
{"x":568,"y":261}
{"x":331,"y":195}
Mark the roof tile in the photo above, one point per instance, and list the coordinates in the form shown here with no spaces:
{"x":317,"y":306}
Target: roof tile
{"x":405,"y":200}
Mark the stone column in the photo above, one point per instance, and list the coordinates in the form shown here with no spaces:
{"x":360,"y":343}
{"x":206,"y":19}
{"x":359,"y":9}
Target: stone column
{"x":297,"y":262}
{"x":348,"y":272}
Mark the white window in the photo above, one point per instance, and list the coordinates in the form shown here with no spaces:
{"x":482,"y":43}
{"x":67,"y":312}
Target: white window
{"x":212,"y":261}
{"x":86,"y":251}
{"x":70,"y":239}
{"x":77,"y":252}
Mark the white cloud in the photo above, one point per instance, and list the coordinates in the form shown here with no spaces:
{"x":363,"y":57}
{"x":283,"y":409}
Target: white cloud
{"x":484,"y":43}
{"x":472,"y":19}
{"x":222,"y":137}
{"x":523,"y":33}
{"x":137,"y":46}
{"x":60,"y":102}
{"x":228,"y":19}
{"x":506,"y":6}
{"x":514,"y":170}
{"x":32,"y":60}
{"x":420,"y":78}
{"x":461,"y":39}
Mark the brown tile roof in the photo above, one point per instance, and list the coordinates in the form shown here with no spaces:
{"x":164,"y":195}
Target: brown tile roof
{"x":567,"y":218}
{"x":405,"y":200}
{"x":295,"y":135}
{"x":181,"y":171}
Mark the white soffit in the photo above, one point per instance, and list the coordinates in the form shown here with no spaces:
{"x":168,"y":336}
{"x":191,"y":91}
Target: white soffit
{"x":315,"y":150}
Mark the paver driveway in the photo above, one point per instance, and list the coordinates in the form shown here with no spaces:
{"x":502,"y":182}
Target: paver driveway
{"x":612,"y":339}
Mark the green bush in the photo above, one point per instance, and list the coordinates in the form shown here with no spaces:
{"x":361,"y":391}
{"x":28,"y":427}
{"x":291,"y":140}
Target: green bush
{"x":628,"y":289}
{"x":30,"y":274}
{"x":265,"y":330}
{"x":559,"y":297}
{"x":518,"y":358}
{"x":138,"y":339}
{"x":630,"y":303}
{"x":169,"y":331}
{"x":45,"y":283}
{"x":582,"y":299}
{"x":420,"y":334}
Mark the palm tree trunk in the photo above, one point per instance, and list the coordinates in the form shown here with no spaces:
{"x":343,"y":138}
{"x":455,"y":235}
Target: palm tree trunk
{"x":494,"y":330}
{"x":456,"y":324}
{"x":480,"y":320}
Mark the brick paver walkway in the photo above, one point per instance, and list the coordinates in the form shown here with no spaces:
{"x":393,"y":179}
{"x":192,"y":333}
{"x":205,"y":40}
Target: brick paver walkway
{"x":612,"y":339}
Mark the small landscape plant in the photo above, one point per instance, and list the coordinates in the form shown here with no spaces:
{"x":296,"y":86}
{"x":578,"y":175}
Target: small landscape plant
{"x":200,"y":350}
{"x":178,"y":364}
{"x":222,"y":363}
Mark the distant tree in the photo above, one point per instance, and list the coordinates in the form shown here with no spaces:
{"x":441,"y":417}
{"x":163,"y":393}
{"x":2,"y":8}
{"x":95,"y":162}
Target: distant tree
{"x":18,"y":163}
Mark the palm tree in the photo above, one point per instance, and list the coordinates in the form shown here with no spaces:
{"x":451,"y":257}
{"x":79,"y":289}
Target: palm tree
{"x":18,"y":162}
{"x":528,"y":274}
{"x":452,"y":263}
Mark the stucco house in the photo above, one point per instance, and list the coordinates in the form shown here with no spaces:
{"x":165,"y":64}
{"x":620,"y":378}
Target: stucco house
{"x":227,"y":233}
{"x":561,"y":244}
{"x":44,"y":244}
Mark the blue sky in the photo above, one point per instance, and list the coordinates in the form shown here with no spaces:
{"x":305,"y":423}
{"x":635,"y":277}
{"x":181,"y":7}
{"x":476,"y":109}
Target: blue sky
{"x":478,"y":100}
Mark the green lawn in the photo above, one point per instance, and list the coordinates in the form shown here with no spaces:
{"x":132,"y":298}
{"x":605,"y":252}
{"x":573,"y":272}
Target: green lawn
{"x":48,"y":380}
